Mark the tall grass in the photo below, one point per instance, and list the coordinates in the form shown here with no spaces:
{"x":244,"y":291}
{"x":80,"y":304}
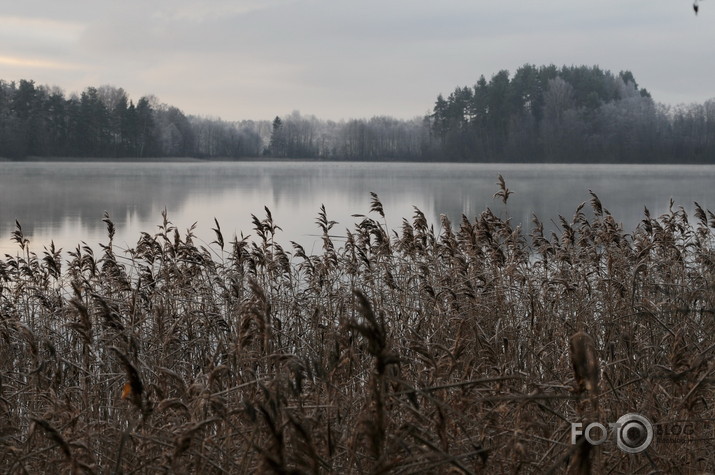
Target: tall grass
{"x":469,"y":348}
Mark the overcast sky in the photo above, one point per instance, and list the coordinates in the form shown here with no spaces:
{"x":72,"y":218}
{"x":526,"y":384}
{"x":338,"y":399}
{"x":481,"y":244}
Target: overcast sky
{"x":255,"y":59}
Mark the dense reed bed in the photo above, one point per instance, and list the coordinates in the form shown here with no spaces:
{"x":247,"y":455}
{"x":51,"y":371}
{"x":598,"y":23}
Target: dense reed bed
{"x":469,"y":348}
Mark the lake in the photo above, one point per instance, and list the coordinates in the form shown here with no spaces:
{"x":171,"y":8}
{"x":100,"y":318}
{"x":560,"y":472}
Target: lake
{"x":65,"y":202}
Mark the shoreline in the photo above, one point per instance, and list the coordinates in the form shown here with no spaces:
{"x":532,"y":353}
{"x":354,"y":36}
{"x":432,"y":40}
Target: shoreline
{"x":319,"y":160}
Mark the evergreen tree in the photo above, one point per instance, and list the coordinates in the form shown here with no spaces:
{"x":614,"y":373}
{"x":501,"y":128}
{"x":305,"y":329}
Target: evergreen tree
{"x":278,"y":145}
{"x":144,"y":143}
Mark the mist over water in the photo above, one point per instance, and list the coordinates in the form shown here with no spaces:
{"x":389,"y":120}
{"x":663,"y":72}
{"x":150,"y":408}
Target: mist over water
{"x":65,"y":202}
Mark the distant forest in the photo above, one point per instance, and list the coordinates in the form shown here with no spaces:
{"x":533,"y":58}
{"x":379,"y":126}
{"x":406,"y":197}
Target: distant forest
{"x":540,"y":114}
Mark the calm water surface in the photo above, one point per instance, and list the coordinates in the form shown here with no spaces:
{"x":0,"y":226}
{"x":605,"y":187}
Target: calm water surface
{"x":65,"y":202}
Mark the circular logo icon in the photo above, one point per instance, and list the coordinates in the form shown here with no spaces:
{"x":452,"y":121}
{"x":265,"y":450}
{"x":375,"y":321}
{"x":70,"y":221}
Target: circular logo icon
{"x":634,"y":433}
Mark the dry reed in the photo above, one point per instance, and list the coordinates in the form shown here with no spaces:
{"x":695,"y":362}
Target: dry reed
{"x":468,"y":349}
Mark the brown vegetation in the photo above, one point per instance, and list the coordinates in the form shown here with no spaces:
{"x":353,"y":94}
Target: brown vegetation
{"x":405,"y":352}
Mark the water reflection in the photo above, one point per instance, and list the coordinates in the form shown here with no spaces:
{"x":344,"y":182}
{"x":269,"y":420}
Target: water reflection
{"x":65,"y":202}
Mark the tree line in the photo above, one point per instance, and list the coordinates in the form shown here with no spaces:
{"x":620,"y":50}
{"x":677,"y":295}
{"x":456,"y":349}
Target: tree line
{"x":103,"y":122}
{"x":540,"y":114}
{"x":568,"y":114}
{"x":378,"y":138}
